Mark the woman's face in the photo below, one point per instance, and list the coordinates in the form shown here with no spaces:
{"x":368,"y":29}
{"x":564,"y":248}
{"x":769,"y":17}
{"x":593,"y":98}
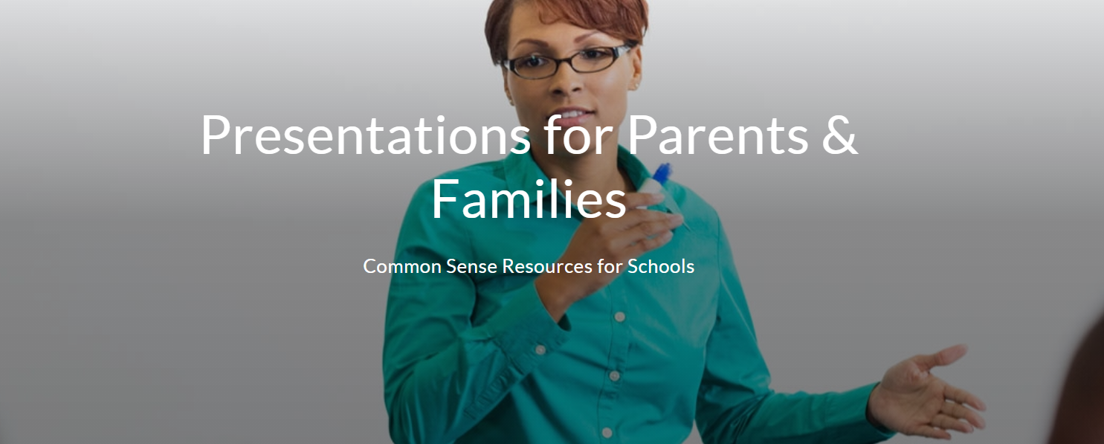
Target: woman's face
{"x":602,"y":95}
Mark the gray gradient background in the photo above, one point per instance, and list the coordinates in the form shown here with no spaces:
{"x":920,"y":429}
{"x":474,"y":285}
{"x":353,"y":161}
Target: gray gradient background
{"x":151,"y":294}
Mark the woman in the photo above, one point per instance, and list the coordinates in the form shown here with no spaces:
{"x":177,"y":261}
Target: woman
{"x":504,"y":357}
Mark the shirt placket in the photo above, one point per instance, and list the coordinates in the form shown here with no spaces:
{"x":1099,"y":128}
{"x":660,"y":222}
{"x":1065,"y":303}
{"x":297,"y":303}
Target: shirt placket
{"x":610,"y":414}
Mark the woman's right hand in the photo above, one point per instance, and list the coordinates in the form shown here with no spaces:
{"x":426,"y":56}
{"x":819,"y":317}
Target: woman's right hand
{"x":609,"y":240}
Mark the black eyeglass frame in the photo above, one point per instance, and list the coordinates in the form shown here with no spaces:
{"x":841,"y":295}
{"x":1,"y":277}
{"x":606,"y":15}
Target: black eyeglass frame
{"x":618,"y":51}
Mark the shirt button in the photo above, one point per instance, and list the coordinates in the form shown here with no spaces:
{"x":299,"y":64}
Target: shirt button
{"x":607,"y":432}
{"x":540,"y":350}
{"x":619,"y":316}
{"x":614,"y":376}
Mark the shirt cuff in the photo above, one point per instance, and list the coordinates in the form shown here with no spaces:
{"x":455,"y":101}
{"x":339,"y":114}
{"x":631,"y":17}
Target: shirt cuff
{"x":524,"y":329}
{"x":525,"y":333}
{"x":848,"y":410}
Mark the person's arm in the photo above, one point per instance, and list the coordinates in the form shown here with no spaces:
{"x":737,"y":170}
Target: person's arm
{"x":442,"y":374}
{"x":735,"y":402}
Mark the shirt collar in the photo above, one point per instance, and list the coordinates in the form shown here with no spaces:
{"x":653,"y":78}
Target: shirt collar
{"x":522,"y":173}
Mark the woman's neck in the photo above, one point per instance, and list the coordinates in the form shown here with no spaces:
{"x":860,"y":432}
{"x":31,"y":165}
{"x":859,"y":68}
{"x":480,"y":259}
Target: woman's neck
{"x":588,"y":172}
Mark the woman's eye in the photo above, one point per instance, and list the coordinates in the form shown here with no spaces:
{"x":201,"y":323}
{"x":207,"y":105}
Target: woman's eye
{"x":595,"y":53}
{"x":532,"y":62}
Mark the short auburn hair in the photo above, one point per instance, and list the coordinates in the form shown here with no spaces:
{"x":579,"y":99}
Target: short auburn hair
{"x":623,"y":19}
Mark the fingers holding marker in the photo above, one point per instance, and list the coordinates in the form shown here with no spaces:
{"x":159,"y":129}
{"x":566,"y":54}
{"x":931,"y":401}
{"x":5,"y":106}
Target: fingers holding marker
{"x":640,"y":223}
{"x":634,"y":200}
{"x":650,"y":243}
{"x":619,"y":236}
{"x":655,"y":183}
{"x":659,"y":224}
{"x":615,"y":240}
{"x":664,"y":222}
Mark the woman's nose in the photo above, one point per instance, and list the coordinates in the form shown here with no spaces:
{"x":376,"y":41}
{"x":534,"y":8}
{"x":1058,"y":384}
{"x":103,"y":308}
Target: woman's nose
{"x":566,"y":80}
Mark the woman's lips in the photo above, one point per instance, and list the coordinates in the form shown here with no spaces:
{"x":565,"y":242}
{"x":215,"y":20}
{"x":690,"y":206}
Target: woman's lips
{"x":572,"y":118}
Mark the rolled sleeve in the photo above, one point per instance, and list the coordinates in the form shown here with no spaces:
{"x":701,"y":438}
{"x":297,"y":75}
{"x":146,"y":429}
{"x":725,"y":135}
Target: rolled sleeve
{"x":735,"y":402}
{"x":526,"y":333}
{"x":847,"y":416}
{"x":442,"y":374}
{"x":524,"y":323}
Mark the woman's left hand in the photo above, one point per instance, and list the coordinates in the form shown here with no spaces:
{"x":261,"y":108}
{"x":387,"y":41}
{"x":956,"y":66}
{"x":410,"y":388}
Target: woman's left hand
{"x":910,"y":400}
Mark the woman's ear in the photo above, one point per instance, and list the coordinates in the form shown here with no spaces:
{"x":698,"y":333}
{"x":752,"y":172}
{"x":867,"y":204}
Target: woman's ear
{"x":638,"y":68}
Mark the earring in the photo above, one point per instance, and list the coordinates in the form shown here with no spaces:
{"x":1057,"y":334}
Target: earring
{"x":511,"y":102}
{"x":636,"y":86}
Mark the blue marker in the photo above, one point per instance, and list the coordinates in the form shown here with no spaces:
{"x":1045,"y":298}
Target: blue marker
{"x":655,"y":183}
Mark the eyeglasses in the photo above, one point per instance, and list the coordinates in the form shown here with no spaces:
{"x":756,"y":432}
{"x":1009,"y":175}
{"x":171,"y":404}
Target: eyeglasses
{"x":535,"y":67}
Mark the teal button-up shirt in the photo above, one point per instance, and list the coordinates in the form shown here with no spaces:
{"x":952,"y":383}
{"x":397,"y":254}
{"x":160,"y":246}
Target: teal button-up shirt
{"x":476,"y":358}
